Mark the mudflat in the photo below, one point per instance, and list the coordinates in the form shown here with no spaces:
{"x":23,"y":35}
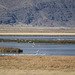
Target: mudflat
{"x":37,"y":65}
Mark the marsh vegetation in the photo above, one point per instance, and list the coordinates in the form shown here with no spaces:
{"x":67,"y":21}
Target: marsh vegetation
{"x":39,"y":41}
{"x":10,"y":50}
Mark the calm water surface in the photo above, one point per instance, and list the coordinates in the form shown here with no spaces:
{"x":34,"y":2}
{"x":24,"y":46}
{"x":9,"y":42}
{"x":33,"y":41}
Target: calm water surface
{"x":41,"y":48}
{"x":40,"y":37}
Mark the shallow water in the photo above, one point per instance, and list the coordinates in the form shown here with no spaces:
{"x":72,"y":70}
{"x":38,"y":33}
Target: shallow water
{"x":41,"y":48}
{"x":40,"y":37}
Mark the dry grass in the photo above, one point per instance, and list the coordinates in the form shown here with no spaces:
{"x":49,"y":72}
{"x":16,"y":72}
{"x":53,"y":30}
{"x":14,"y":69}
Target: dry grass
{"x":13,"y":30}
{"x":37,"y":65}
{"x":37,"y":62}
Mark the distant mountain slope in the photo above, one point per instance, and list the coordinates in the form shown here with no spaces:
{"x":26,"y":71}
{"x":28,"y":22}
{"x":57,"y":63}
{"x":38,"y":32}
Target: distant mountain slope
{"x":38,"y":12}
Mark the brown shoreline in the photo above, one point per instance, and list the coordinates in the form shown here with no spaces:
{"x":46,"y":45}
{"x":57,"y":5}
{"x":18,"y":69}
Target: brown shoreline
{"x":37,"y":65}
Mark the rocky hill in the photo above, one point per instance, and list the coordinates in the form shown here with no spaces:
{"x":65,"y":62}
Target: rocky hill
{"x":52,"y":13}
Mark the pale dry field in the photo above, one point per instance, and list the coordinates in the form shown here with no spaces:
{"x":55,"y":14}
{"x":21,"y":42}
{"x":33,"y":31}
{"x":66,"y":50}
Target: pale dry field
{"x":13,"y":30}
{"x":44,"y":34}
{"x":37,"y":65}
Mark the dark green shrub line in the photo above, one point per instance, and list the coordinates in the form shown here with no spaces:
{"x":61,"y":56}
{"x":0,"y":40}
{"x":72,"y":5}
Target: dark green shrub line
{"x":39,"y":41}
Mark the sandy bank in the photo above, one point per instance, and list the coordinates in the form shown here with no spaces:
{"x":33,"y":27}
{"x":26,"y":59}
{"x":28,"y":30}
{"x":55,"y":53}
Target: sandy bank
{"x":37,"y":65}
{"x":37,"y":34}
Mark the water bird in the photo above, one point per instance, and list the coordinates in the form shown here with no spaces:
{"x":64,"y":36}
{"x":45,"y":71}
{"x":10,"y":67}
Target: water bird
{"x":30,"y":41}
{"x":33,"y":43}
{"x":32,"y":46}
{"x":37,"y":52}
